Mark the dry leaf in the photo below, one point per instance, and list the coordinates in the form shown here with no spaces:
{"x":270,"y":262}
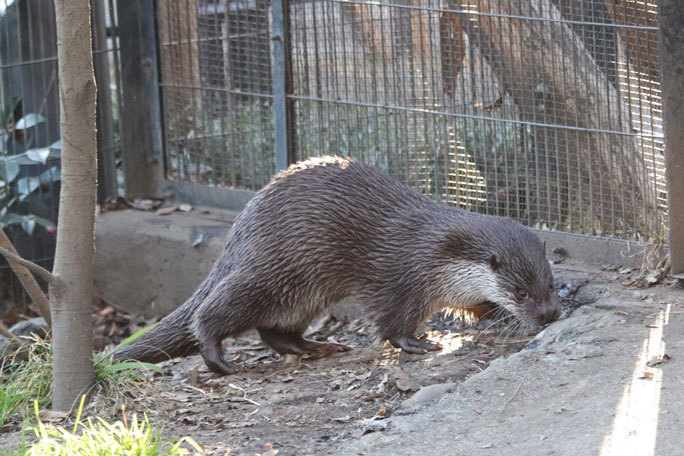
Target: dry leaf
{"x":654,"y":361}
{"x":370,"y":397}
{"x":285,"y":378}
{"x":180,"y":397}
{"x":404,"y":381}
{"x":270,"y":452}
{"x":198,"y":240}
{"x":145,"y":204}
{"x":166,"y":210}
{"x":363,"y":376}
{"x":113,"y":204}
{"x":241,"y":424}
{"x":193,"y":376}
{"x":290,"y":360}
{"x":52,"y":416}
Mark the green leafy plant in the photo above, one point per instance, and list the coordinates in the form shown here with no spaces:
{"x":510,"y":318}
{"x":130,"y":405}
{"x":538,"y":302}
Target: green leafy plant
{"x":13,"y":188}
{"x":110,"y":374}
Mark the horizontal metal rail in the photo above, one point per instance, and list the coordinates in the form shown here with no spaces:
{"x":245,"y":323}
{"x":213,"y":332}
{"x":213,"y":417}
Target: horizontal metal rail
{"x":469,"y":116}
{"x":502,"y":16}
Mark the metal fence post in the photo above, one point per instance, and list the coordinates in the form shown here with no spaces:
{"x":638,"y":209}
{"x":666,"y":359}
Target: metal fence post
{"x":670,"y":39}
{"x":140,"y":114}
{"x":283,"y":111}
{"x":106,"y":168}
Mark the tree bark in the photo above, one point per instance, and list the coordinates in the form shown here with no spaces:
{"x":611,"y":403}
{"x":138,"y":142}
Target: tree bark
{"x":554,"y":80}
{"x":71,"y":292}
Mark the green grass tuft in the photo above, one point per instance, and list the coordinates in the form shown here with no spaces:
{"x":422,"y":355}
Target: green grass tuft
{"x":113,"y":377}
{"x":98,"y":437}
{"x":28,"y":377}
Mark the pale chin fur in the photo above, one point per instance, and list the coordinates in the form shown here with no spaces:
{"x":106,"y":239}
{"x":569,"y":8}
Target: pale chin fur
{"x":471,"y":284}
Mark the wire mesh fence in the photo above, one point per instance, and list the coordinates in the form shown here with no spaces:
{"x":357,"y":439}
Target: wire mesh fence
{"x":29,"y":133}
{"x":547,"y":111}
{"x":216,"y":86}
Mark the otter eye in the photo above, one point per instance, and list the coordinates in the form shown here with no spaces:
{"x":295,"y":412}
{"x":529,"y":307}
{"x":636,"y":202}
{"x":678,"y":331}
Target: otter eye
{"x":522,"y":293}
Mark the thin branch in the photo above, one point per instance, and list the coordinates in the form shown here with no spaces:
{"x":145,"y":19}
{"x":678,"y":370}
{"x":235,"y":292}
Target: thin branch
{"x":5,"y":332}
{"x":28,"y":281}
{"x":33,"y":267}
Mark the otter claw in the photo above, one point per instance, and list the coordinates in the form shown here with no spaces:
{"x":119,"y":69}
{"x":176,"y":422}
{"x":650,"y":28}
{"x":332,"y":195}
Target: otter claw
{"x":416,"y":346}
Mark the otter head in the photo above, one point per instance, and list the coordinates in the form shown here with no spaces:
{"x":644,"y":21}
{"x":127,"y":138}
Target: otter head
{"x":504,"y":264}
{"x":525,"y":285}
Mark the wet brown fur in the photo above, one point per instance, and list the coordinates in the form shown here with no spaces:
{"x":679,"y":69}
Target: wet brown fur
{"x":330,"y":228}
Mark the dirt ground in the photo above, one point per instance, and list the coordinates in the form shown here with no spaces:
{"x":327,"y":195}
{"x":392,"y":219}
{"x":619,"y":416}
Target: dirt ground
{"x":314,"y":407}
{"x":309,"y":406}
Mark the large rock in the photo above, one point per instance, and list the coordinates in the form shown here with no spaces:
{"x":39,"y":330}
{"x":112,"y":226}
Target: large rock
{"x":150,"y":264}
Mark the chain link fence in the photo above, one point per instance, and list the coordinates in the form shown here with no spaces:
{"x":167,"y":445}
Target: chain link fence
{"x":547,"y":111}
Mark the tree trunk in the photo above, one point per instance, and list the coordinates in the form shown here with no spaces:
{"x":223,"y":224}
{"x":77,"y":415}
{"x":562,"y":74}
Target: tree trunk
{"x":71,"y":292}
{"x":581,"y":173}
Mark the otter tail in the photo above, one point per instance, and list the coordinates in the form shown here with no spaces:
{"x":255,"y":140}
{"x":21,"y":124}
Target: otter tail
{"x":168,"y":339}
{"x":171,"y":337}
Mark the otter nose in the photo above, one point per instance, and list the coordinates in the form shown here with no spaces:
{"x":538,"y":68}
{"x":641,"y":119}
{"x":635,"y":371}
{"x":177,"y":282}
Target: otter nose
{"x":549,"y":315}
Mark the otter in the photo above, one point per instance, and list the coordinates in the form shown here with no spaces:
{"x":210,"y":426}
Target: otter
{"x":330,"y":228}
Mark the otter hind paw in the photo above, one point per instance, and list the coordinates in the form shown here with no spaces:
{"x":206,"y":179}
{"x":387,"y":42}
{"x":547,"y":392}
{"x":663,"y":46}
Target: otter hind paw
{"x":415,"y":345}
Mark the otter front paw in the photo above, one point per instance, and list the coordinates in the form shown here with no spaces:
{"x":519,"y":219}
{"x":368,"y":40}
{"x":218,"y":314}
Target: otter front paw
{"x":224,"y":367}
{"x":415,"y":345}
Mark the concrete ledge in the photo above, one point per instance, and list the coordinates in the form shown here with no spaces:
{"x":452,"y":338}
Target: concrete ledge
{"x":149,"y":264}
{"x":233,"y":199}
{"x":600,"y":251}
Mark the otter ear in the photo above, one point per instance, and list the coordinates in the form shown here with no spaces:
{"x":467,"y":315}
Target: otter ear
{"x":494,"y":262}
